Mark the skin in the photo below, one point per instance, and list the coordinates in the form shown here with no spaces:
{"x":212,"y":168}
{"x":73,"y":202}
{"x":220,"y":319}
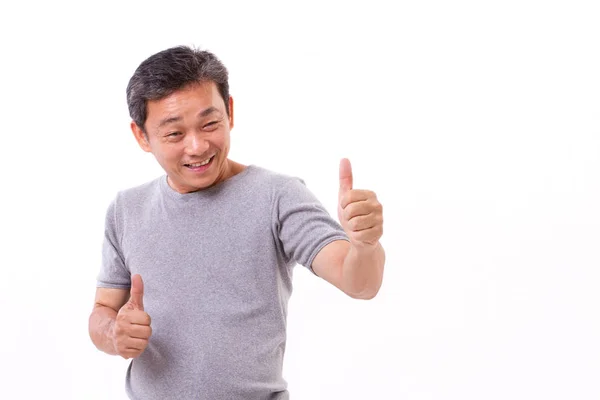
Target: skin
{"x":356,"y":268}
{"x":189,"y":126}
{"x":118,"y":324}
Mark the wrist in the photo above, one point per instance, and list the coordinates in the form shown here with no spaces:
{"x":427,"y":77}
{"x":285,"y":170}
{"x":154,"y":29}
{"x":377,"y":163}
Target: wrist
{"x":112,"y":337}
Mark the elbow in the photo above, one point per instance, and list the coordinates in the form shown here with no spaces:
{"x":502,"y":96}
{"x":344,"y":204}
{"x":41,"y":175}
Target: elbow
{"x":363,"y":296}
{"x":368,"y":294}
{"x":367,"y":291}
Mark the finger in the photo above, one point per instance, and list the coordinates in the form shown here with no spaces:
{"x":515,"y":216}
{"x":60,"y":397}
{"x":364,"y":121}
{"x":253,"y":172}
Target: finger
{"x":135,"y":344}
{"x":138,"y":317}
{"x":356,"y":209}
{"x":137,"y":292}
{"x":140,"y":331}
{"x":356,"y":195}
{"x":345,"y":176}
{"x":363,"y":222}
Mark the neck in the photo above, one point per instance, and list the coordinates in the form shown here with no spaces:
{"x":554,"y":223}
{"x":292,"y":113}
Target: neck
{"x":231,"y":168}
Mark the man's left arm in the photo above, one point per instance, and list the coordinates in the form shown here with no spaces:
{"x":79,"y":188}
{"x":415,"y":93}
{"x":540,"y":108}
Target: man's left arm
{"x":355,"y":267}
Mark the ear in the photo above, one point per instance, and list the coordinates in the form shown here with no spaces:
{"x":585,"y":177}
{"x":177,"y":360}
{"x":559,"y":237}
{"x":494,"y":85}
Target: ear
{"x":230,"y":105}
{"x":140,"y":137}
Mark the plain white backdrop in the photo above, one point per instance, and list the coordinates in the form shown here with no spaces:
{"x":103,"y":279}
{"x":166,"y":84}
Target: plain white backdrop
{"x":476,"y":123}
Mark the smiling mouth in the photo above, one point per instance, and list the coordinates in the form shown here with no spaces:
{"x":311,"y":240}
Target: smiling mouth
{"x":201,"y":163}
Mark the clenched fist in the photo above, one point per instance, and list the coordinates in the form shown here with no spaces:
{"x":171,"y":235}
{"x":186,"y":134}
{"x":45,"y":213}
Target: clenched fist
{"x":132,"y":326}
{"x":359,"y":211}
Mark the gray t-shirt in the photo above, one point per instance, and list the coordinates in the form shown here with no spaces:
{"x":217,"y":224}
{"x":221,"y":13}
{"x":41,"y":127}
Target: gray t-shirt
{"x":217,"y":271}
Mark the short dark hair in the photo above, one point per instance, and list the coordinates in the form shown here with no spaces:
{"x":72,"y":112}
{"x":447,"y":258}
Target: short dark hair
{"x":170,"y":70}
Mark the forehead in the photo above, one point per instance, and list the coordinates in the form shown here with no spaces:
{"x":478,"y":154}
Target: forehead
{"x":194,"y":97}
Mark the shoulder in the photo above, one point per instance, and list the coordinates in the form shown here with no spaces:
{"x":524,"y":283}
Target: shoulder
{"x":134,"y":197}
{"x":278,"y":182}
{"x":284,"y":191}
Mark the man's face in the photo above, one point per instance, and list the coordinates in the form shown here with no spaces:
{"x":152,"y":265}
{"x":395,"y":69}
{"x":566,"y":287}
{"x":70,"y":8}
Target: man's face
{"x":188,"y":133}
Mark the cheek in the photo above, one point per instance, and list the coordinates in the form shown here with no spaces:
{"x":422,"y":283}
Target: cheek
{"x":222,"y":142}
{"x":168,"y":154}
{"x":226,"y":140}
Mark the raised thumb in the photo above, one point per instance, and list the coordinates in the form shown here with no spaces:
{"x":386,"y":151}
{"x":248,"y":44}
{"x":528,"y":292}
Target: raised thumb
{"x":345,"y":176}
{"x":136,"y":298}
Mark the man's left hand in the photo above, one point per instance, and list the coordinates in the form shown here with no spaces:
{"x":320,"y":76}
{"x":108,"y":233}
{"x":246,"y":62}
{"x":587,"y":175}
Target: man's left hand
{"x":359,"y":211}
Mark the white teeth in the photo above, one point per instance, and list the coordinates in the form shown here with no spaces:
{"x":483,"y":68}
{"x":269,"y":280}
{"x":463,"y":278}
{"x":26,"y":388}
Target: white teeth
{"x":196,"y":165}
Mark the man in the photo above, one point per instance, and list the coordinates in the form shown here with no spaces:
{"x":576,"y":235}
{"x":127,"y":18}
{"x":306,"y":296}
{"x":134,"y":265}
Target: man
{"x":197,"y":264}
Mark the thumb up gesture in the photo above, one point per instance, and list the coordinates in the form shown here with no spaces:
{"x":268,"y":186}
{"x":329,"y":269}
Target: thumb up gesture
{"x":132,"y":326}
{"x":359,"y":211}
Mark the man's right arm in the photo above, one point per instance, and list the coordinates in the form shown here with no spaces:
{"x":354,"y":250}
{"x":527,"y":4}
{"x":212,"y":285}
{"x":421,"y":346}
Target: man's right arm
{"x":107,"y":304}
{"x":118,"y":324}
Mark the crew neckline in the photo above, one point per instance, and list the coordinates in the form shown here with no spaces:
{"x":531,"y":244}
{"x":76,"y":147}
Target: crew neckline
{"x":172,"y":193}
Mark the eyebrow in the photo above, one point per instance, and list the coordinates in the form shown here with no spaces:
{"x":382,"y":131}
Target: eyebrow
{"x":202,"y":114}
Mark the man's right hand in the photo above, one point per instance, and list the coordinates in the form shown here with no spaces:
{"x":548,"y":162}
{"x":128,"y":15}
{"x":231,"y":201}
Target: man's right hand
{"x":132,"y":329}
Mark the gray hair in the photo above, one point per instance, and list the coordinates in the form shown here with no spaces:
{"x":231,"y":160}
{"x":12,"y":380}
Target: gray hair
{"x":170,"y":70}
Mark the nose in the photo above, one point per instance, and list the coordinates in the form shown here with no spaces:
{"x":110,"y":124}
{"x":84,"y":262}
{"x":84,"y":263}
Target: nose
{"x":196,"y":145}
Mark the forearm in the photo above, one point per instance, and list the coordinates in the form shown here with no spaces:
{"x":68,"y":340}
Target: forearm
{"x":362,"y":271}
{"x":101,"y":328}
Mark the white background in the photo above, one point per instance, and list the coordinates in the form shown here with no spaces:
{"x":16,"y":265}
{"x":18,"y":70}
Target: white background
{"x":477,"y":123}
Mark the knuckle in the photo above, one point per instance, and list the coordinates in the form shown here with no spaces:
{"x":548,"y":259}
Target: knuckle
{"x":123,"y":316}
{"x":351,"y":208}
{"x":119,"y":328}
{"x":144,"y":318}
{"x":347,"y":215}
{"x":344,"y":201}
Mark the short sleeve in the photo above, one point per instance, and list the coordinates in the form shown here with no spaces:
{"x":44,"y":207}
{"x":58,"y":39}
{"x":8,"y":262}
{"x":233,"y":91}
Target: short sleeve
{"x":304,"y":225}
{"x":113,"y":271}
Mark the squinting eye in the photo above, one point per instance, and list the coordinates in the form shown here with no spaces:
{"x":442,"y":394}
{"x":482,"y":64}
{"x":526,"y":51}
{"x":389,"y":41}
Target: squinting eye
{"x":174,"y":134}
{"x":210,"y":124}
